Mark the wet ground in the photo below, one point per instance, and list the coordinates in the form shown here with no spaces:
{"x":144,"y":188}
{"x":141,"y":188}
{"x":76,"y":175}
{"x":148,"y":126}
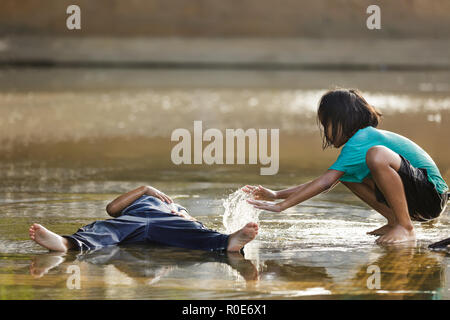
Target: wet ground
{"x":67,"y":152}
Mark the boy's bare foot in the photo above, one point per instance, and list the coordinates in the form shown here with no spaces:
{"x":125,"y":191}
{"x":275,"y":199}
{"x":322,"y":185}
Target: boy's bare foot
{"x":381,"y":231}
{"x":397,"y":234}
{"x":47,"y":239}
{"x":241,"y":237}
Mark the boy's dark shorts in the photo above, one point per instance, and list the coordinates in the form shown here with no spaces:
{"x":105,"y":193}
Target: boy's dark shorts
{"x":424,"y":201}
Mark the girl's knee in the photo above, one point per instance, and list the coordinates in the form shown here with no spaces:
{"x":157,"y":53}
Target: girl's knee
{"x":378,"y":156}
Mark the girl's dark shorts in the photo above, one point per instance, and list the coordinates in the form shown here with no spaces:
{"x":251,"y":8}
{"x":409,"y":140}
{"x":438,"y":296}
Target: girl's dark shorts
{"x":424,"y":201}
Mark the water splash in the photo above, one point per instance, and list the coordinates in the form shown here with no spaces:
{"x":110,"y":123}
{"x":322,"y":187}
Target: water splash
{"x":238,"y":212}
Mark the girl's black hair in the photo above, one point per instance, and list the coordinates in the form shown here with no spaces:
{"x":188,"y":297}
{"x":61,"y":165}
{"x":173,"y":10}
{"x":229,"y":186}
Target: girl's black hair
{"x":347,"y":112}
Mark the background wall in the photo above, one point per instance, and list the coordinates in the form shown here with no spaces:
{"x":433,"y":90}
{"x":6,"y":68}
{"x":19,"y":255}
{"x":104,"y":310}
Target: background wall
{"x":228,"y":18}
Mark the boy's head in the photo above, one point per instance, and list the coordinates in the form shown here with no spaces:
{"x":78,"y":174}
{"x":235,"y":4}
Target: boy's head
{"x":341,"y":113}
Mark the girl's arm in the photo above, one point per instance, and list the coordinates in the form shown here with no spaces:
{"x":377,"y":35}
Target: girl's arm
{"x":285,"y":193}
{"x":303,"y":192}
{"x":115,"y":207}
{"x":262,"y":193}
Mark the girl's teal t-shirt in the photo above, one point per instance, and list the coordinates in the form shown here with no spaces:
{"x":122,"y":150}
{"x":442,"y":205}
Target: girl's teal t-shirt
{"x":352,"y":159}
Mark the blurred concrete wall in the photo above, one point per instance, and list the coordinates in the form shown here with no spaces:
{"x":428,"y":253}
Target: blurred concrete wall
{"x":228,"y":18}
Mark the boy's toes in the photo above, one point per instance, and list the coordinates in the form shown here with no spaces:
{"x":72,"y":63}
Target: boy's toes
{"x":34,"y":228}
{"x":252,"y":225}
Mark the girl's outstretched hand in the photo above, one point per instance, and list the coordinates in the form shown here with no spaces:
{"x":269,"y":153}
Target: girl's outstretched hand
{"x":260,"y":193}
{"x":265,"y":205}
{"x":150,"y":191}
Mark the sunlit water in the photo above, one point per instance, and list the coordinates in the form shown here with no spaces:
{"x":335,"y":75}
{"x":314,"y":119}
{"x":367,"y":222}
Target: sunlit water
{"x":66,"y":154}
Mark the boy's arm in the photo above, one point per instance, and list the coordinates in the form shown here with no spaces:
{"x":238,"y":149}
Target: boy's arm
{"x":303,"y":192}
{"x":115,"y":207}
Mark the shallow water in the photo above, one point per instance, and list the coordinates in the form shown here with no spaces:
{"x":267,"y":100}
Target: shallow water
{"x":66,"y":153}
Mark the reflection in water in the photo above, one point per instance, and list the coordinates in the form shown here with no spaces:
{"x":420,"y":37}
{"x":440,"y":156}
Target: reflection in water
{"x":148,"y":266}
{"x":406,"y":272}
{"x":42,"y":264}
{"x":152,"y":263}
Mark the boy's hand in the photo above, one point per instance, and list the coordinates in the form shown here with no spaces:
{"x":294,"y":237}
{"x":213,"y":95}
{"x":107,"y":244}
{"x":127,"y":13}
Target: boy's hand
{"x":183,"y":213}
{"x":150,"y":191}
{"x":264,"y":205}
{"x":260,"y":193}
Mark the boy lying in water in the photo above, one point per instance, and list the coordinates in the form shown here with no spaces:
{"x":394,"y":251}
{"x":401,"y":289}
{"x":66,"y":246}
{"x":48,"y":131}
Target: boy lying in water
{"x":145,"y":215}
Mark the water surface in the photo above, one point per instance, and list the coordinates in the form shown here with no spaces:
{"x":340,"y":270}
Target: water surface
{"x":72,"y":140}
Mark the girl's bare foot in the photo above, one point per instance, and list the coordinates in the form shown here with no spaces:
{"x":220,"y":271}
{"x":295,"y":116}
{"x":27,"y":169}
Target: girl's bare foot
{"x":397,"y":234}
{"x":48,"y":239}
{"x":381,"y":231}
{"x":241,"y":237}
